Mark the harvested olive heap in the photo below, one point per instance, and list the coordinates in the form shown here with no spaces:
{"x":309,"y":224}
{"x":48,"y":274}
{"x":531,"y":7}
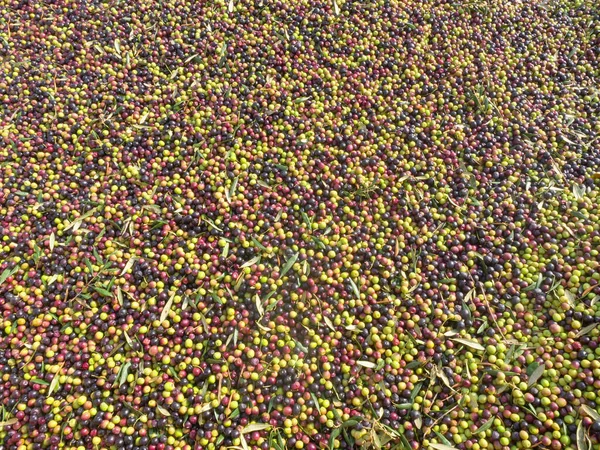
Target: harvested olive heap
{"x":301,"y":224}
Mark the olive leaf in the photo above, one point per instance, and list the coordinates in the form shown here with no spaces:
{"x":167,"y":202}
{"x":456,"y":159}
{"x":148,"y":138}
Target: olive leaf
{"x":329,"y":323}
{"x":536,"y":374}
{"x":54,"y":383}
{"x":354,"y":288}
{"x":9,"y":422}
{"x":442,"y":447}
{"x":586,"y":330}
{"x":8,"y":273}
{"x":288,"y":265}
{"x":167,"y":308}
{"x":486,"y":426}
{"x":581,"y":442}
{"x":367,"y":364}
{"x":251,"y":262}
{"x":128,"y":266}
{"x":259,"y":306}
{"x":163,"y":411}
{"x":470,"y":343}
{"x":124,"y":373}
{"x":251,"y":428}
{"x":589,"y":412}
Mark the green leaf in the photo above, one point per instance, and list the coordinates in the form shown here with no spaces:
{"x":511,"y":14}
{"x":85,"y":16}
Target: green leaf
{"x":315,"y":400}
{"x":585,"y":330}
{"x":354,"y":288}
{"x":8,"y":273}
{"x":470,"y":343}
{"x":301,"y":99}
{"x":53,"y":384}
{"x":258,"y":244}
{"x":288,"y":265}
{"x":535,"y":375}
{"x":531,"y":368}
{"x":39,"y":381}
{"x":334,"y":434}
{"x":415,"y":391}
{"x":486,"y":426}
{"x":442,"y":438}
{"x":102,"y":291}
{"x":124,"y":372}
{"x":307,"y":220}
{"x":350,"y":423}
{"x":251,"y":262}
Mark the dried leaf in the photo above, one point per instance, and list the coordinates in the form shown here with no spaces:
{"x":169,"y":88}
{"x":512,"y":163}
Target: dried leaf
{"x":588,"y":290}
{"x":589,"y":412}
{"x":259,"y":305}
{"x":9,"y":422}
{"x":128,"y":339}
{"x":52,"y":241}
{"x":167,"y":308}
{"x":251,"y":428}
{"x":470,"y":343}
{"x":163,"y":411}
{"x":419,"y":422}
{"x":537,"y":373}
{"x":190,"y":58}
{"x":336,"y":8}
{"x":119,"y":296}
{"x":570,"y":298}
{"x":329,"y":323}
{"x":53,"y":384}
{"x":581,"y":442}
{"x":578,"y":192}
{"x":128,"y":266}
{"x":442,"y":447}
{"x":288,"y":265}
{"x":230,"y":6}
{"x":118,"y":46}
{"x":243,"y":442}
{"x":444,"y":378}
{"x":367,"y":364}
